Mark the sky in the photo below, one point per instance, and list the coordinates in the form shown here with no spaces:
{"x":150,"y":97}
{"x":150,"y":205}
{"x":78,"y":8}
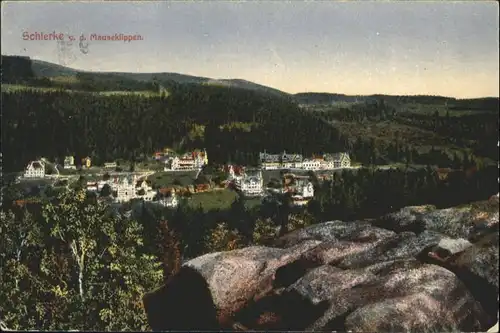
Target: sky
{"x":355,"y":48}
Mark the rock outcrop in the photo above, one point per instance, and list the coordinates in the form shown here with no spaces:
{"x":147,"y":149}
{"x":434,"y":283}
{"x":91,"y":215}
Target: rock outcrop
{"x":419,"y":269}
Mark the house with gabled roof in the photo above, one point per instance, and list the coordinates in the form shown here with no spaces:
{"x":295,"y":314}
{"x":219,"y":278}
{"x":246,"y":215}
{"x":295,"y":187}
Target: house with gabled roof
{"x":149,"y":192}
{"x":270,"y":161}
{"x":125,"y":189}
{"x":251,"y":183}
{"x":35,"y":169}
{"x":300,"y":187}
{"x":189,"y":161}
{"x":337,"y":160}
{"x":291,"y":161}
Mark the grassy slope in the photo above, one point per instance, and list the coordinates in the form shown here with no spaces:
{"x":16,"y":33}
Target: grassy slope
{"x":16,"y":87}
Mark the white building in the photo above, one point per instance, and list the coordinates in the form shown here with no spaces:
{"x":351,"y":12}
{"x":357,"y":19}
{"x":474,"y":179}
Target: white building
{"x":149,"y":193}
{"x":312,"y":164}
{"x":170,"y":202}
{"x":110,"y":165}
{"x":125,"y":190}
{"x":188,"y":162}
{"x":35,"y":169}
{"x":338,"y":160}
{"x":304,"y":192}
{"x":182,"y":164}
{"x":291,"y":161}
{"x":92,"y":186}
{"x":296,"y":161}
{"x":69,"y":162}
{"x":270,"y":161}
{"x":328,"y":165}
{"x":251,"y":184}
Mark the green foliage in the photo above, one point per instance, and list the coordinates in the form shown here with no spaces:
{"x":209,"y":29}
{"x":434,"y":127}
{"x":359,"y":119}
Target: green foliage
{"x":75,"y":266}
{"x":362,"y":193}
{"x":222,"y":239}
{"x":105,"y":191}
{"x":264,"y":230}
{"x":220,"y":199}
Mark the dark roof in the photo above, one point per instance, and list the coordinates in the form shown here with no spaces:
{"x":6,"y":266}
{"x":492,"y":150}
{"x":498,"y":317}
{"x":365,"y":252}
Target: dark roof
{"x":37,"y":165}
{"x":291,"y":158}
{"x":271,"y":158}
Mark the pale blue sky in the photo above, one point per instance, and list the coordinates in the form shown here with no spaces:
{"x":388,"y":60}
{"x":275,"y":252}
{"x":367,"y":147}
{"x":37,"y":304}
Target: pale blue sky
{"x":448,"y":48}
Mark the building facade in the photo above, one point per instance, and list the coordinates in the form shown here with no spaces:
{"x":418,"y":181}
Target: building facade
{"x":291,"y":161}
{"x":69,"y":162}
{"x":303,"y":194}
{"x":251,"y":184}
{"x":312,"y":164}
{"x":270,"y":161}
{"x":338,"y":160}
{"x":149,"y":193}
{"x":188,"y":162}
{"x":125,"y":190}
{"x":170,"y":202}
{"x":35,"y":169}
{"x":128,"y":189}
{"x":87,"y":162}
{"x":300,"y":187}
{"x":296,"y":161}
{"x":92,"y":186}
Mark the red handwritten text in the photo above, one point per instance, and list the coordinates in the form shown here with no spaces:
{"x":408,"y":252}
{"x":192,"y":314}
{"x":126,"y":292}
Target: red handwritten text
{"x":116,"y":37}
{"x":42,"y":36}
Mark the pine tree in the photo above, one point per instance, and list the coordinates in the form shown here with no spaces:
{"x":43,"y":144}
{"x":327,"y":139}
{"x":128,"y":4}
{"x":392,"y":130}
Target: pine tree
{"x":170,"y":249}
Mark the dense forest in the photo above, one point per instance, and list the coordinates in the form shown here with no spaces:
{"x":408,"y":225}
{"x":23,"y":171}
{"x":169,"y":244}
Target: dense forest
{"x":473,"y":134}
{"x":232,"y":124}
{"x":54,"y":124}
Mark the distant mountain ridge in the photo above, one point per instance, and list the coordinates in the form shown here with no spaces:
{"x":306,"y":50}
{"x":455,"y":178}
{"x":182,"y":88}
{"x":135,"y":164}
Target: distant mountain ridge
{"x":330,"y":98}
{"x":15,"y":68}
{"x":18,"y":68}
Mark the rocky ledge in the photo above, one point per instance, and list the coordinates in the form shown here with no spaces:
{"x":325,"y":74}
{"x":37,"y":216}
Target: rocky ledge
{"x":419,"y":269}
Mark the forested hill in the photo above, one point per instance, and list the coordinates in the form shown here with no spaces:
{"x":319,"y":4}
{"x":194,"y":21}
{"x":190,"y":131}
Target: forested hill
{"x":23,"y":70}
{"x":26,"y":71}
{"x":486,"y":103}
{"x":111,"y":116}
{"x":232,"y":124}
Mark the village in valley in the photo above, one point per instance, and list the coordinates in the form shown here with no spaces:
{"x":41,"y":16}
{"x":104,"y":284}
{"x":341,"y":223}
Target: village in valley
{"x":276,"y":174}
{"x":249,"y":166}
